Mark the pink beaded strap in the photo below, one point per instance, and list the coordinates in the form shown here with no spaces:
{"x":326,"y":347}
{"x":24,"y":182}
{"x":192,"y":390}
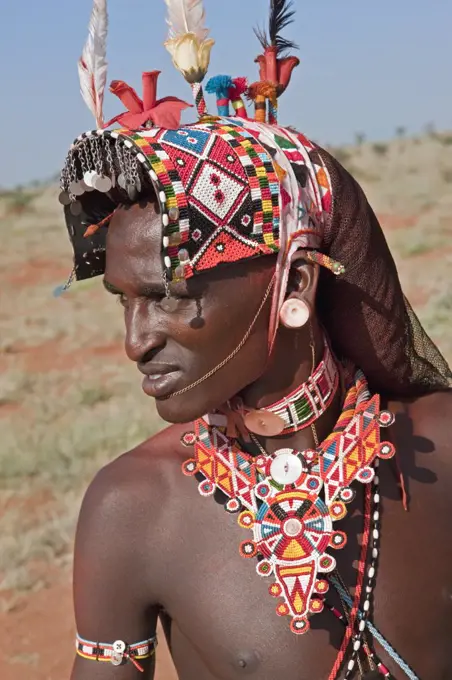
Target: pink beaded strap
{"x":309,"y":401}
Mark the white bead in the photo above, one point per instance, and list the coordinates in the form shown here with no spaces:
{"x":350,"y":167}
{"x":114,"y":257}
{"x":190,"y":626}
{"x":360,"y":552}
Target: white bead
{"x":128,"y":143}
{"x":167,"y":262}
{"x":376,"y":534}
{"x":351,"y":665}
{"x":371,"y":572}
{"x":153,"y":176}
{"x":119,"y":646}
{"x":165,"y":220}
{"x":357,"y":645}
{"x":114,"y":134}
{"x":368,"y":589}
{"x":376,"y":516}
{"x":141,"y":158}
{"x":362,"y":626}
{"x":366,"y":606}
{"x":162,"y":197}
{"x":165,"y":241}
{"x":377,"y":498}
{"x":375,"y":553}
{"x":376,"y":480}
{"x":286,"y":467}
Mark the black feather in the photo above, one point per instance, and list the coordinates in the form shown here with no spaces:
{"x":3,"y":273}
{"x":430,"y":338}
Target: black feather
{"x":262,"y":37}
{"x":282,"y":14}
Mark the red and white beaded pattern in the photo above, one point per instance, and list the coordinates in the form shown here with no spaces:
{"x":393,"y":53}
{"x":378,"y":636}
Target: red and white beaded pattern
{"x":318,"y":391}
{"x":279,"y":496}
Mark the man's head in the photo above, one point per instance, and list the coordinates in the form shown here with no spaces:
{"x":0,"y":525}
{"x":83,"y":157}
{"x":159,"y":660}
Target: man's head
{"x":176,"y":344}
{"x":233,"y":198}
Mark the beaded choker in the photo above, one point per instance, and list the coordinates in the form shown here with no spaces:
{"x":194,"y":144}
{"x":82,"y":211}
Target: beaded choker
{"x":302,"y":407}
{"x":291,"y":499}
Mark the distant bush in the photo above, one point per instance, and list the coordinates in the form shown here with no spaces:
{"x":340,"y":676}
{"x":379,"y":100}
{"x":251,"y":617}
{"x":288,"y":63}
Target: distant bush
{"x":380,"y":149}
{"x":17,"y":201}
{"x":447,"y":175}
{"x":360,"y":138}
{"x":446,"y":140}
{"x":342,"y":155}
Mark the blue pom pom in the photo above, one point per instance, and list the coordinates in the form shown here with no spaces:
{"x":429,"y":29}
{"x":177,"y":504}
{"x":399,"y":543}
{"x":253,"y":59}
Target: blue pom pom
{"x":219,"y":85}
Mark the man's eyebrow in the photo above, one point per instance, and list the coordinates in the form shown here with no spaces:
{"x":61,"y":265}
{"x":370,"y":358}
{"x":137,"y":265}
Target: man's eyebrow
{"x":111,"y":288}
{"x":145,"y":289}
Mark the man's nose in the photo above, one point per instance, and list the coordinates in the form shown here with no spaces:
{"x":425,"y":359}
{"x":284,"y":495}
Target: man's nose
{"x":142,"y":334}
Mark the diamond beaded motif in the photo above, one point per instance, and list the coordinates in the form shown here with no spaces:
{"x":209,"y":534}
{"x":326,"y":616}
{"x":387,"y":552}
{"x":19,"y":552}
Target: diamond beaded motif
{"x":221,"y":192}
{"x":292,"y":500}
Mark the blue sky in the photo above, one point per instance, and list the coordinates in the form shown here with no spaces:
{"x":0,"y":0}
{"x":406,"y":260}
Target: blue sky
{"x":366,"y":66}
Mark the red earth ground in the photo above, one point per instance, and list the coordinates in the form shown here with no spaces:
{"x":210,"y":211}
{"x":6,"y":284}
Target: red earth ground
{"x":37,"y":636}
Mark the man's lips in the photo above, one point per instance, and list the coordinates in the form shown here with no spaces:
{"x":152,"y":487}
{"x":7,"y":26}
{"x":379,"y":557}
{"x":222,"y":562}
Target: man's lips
{"x":160,"y":380}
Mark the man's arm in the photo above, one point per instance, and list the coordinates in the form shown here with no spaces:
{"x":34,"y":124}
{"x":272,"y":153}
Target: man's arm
{"x":112,"y":587}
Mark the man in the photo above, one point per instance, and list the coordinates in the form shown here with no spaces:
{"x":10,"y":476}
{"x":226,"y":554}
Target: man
{"x":256,"y":282}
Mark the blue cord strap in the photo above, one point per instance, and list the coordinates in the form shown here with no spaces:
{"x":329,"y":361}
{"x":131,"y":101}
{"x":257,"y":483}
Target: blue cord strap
{"x":377,"y":635}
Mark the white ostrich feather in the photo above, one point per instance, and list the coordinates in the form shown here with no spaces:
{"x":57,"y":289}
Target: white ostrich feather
{"x":92,"y":65}
{"x":186,"y":16}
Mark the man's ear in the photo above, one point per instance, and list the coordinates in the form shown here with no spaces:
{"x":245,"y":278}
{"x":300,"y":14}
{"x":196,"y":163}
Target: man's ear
{"x":303,"y":281}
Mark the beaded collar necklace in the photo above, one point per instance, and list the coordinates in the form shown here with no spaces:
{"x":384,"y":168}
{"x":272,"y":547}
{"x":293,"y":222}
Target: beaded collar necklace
{"x":301,"y":408}
{"x":291,"y":499}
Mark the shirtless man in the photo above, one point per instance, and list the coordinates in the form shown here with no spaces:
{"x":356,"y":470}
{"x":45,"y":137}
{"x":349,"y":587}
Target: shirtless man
{"x":264,"y":338}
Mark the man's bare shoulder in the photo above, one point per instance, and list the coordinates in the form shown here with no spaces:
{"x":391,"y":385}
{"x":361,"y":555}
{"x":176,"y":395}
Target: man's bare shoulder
{"x":123,"y":540}
{"x":424,"y":444}
{"x":431,"y":418}
{"x":136,"y":485}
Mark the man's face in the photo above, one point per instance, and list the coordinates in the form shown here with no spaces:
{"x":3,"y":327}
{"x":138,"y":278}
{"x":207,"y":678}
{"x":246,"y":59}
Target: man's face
{"x":212,"y":312}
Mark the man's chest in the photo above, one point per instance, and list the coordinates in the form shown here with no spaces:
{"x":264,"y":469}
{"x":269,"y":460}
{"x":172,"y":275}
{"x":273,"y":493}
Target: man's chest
{"x":225,"y":623}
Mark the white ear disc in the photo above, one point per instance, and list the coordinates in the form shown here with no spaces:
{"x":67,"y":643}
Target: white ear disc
{"x":294,"y":313}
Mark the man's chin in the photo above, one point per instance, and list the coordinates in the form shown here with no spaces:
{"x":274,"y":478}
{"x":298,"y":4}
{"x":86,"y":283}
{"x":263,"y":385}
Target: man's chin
{"x":177,"y":410}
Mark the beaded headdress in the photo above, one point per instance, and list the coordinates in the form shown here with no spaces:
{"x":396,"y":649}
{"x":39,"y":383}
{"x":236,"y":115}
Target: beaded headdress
{"x":229,"y":188}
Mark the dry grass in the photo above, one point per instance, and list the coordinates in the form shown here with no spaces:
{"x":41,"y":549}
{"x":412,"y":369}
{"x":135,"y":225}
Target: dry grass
{"x":70,"y":401}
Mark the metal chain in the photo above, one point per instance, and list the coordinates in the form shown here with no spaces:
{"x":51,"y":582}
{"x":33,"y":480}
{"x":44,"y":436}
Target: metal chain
{"x":83,"y":158}
{"x":118,"y":155}
{"x":95,"y":151}
{"x":108,"y":152}
{"x":312,"y":344}
{"x":135,"y":176}
{"x":166,"y":284}
{"x":64,"y":177}
{"x":258,"y":444}
{"x":72,"y":177}
{"x":237,"y":349}
{"x":88,"y":154}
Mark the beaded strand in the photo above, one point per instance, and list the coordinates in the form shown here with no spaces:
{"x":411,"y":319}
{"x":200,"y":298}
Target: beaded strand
{"x":371,"y":572}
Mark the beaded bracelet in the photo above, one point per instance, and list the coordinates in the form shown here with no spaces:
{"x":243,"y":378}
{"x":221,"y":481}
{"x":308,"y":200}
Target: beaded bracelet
{"x":117,"y":653}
